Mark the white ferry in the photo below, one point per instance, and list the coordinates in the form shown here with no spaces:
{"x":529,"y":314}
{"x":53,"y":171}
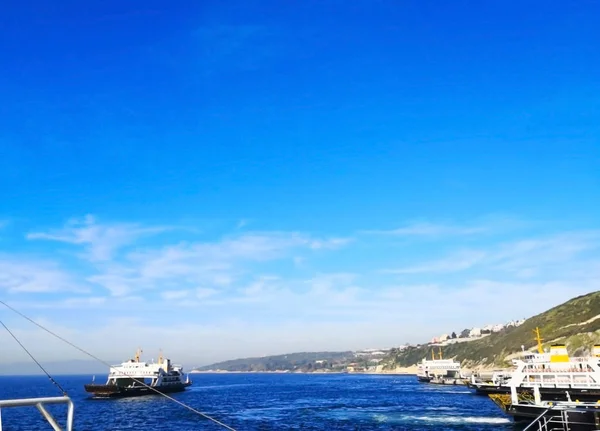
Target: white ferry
{"x":439,"y":370}
{"x":554,"y":373}
{"x":135,"y":378}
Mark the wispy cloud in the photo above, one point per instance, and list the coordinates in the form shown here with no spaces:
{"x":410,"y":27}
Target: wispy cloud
{"x":522,"y":256}
{"x":174,"y":294}
{"x":457,"y":262}
{"x":425,"y":229}
{"x":30,"y":276}
{"x":294,"y":290}
{"x":101,"y":240}
{"x":492,"y":224}
{"x":545,"y":251}
{"x":214,"y":264}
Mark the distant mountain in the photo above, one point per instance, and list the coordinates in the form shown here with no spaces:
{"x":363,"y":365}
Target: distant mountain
{"x":304,"y":361}
{"x":575,"y":323}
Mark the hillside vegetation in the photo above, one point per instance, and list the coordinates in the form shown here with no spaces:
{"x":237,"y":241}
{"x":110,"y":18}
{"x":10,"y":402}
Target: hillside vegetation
{"x":304,"y":361}
{"x":576,"y":323}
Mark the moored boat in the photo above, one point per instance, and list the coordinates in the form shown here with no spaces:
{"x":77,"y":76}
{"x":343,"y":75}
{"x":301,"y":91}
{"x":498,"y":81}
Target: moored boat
{"x":553,"y":373}
{"x":136,"y":378}
{"x":440,"y":371}
{"x":546,"y":415}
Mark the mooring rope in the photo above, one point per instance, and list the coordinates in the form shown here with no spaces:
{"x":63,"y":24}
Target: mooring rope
{"x":204,"y":415}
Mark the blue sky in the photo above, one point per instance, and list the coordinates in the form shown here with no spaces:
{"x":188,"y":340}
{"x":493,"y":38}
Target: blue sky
{"x":260,"y":177}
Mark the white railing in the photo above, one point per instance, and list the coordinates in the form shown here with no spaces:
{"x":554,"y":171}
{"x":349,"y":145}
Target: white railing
{"x":558,"y":422}
{"x":40,"y":404}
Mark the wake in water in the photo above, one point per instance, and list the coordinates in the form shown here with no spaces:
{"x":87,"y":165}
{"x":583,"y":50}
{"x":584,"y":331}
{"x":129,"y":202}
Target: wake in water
{"x":406,"y":419}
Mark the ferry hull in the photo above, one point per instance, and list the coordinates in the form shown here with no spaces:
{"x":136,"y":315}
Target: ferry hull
{"x":114,"y":391}
{"x":547,"y":394}
{"x":447,"y":381}
{"x":579,"y":419}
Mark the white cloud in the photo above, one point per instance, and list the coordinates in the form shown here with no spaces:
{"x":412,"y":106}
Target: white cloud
{"x":216,"y":264}
{"x":331,"y":244}
{"x":426,"y":229}
{"x":526,"y":255}
{"x":205,"y":292}
{"x":491,"y":224}
{"x":100,"y":240}
{"x":523,"y":257}
{"x":117,"y":284}
{"x":29,"y":276}
{"x":314,"y":320}
{"x":174,"y":294}
{"x":269,"y":292}
{"x":458,"y":262}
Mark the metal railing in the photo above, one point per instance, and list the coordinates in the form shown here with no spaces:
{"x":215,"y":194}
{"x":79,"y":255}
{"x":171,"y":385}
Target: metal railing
{"x":40,"y":404}
{"x":559,"y":422}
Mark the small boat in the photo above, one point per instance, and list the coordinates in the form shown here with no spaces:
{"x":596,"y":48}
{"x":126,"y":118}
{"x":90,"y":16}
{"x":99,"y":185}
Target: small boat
{"x":135,"y":378}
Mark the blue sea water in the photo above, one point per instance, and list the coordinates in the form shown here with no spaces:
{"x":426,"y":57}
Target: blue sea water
{"x":265,"y":402}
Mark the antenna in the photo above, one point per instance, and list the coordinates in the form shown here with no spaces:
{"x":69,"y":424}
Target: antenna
{"x":539,"y":340}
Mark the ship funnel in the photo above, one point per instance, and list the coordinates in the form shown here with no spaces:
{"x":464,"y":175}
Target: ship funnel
{"x":596,"y":350}
{"x":559,"y":353}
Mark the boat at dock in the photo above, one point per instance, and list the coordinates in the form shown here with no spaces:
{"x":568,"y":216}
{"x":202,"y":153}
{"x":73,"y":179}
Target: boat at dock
{"x":440,"y":370}
{"x":136,"y":378}
{"x":553,"y":373}
{"x":536,"y":414}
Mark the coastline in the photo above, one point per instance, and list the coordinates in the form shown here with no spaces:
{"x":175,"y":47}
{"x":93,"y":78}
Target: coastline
{"x":398,"y":371}
{"x":407,"y":371}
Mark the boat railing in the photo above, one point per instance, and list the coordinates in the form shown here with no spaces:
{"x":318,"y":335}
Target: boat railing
{"x":569,"y":370}
{"x":558,"y":422}
{"x":40,"y":404}
{"x":560,"y":385}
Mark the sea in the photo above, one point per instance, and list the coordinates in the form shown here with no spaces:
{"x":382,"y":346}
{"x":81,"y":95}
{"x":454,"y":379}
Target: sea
{"x":324,"y":402}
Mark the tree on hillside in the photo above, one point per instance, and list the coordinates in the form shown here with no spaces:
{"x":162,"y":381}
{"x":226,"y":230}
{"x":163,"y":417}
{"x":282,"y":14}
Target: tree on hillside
{"x":453,"y":335}
{"x":465,"y":333}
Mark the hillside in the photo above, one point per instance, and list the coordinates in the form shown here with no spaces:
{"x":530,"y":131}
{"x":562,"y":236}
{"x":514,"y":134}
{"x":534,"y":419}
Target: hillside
{"x":576,"y":323}
{"x":304,"y":361}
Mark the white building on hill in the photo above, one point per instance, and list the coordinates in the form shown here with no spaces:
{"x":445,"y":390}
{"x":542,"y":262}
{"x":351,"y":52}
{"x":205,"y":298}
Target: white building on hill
{"x":475,"y":332}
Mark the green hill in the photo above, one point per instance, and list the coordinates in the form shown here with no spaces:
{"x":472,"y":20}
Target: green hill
{"x":576,"y":323}
{"x":304,"y":361}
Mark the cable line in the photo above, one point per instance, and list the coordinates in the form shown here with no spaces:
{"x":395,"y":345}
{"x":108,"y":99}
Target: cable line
{"x":204,"y":415}
{"x":35,"y":360}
